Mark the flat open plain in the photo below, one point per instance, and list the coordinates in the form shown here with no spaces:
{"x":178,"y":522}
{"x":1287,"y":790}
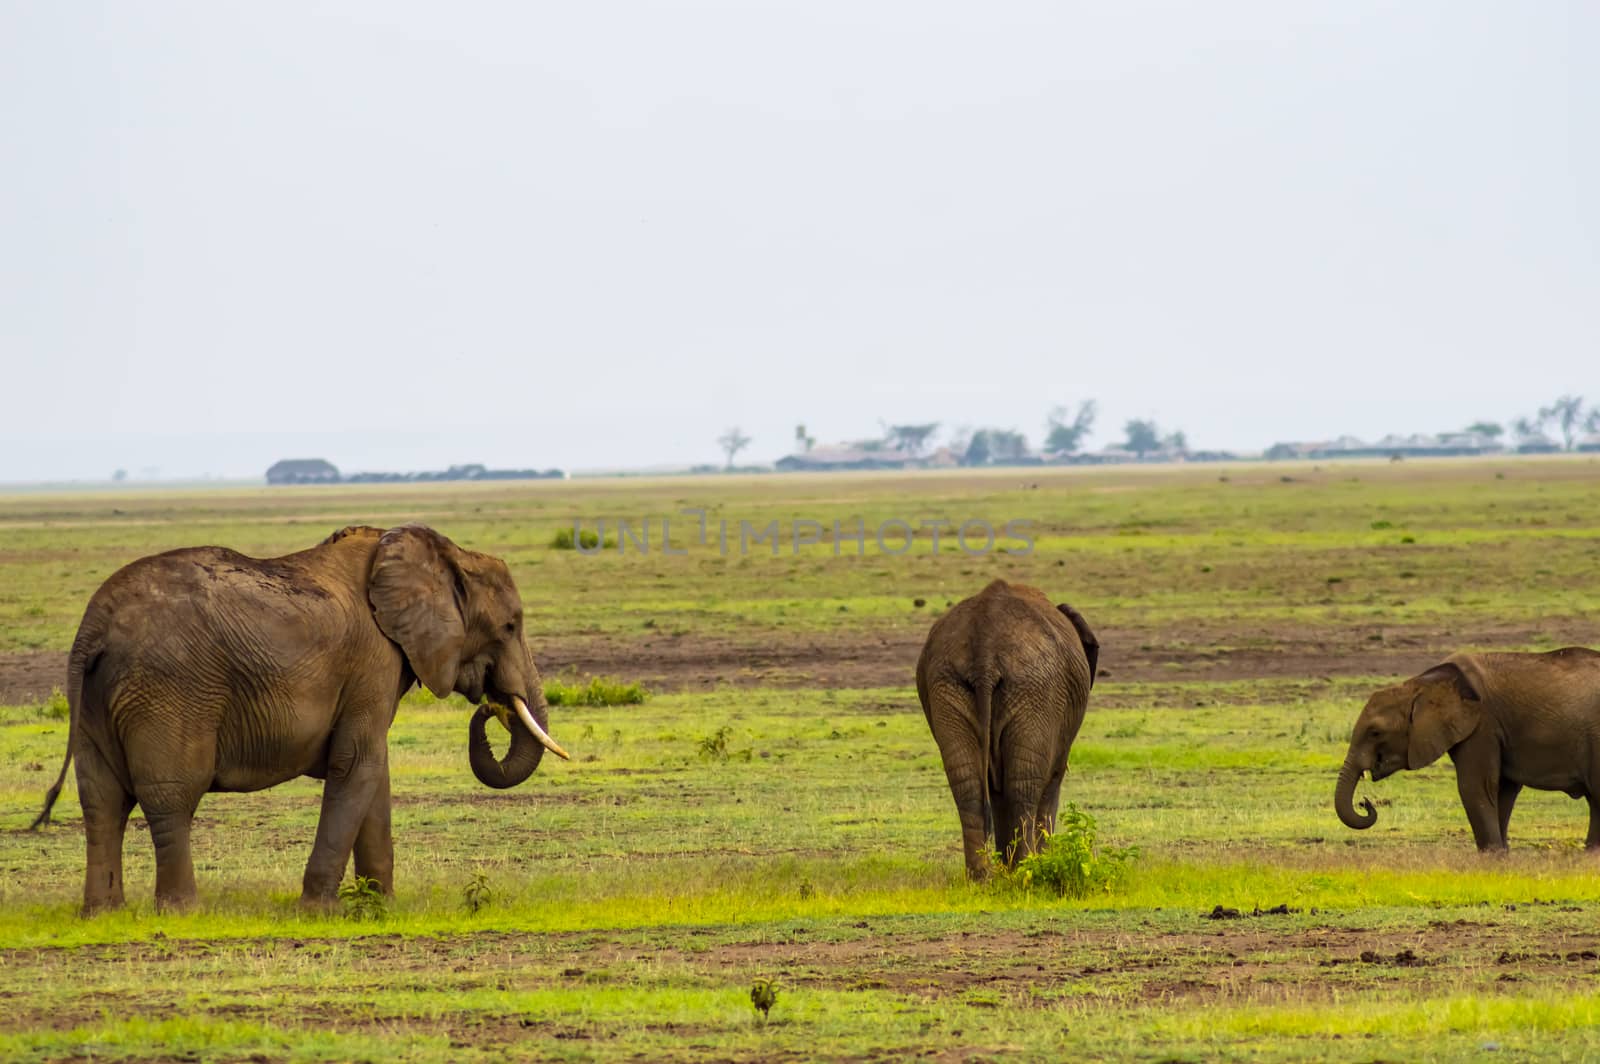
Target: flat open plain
{"x":776,"y":808}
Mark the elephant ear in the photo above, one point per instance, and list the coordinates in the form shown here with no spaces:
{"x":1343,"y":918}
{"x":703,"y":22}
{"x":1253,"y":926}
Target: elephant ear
{"x":1446,"y":711}
{"x":416,"y":595}
{"x":1091,"y":645}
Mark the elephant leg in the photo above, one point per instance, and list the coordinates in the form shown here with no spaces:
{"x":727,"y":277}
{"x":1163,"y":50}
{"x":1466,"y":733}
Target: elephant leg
{"x":1506,"y":800}
{"x":952,"y":716}
{"x":374,"y":849}
{"x":1478,"y":784}
{"x":171,"y":771}
{"x":1050,"y":801}
{"x":106,"y":805}
{"x":356,"y":768}
{"x":169,"y":809}
{"x":1025,"y":789}
{"x":1593,"y":841}
{"x":1001,"y":828}
{"x":1024,"y":829}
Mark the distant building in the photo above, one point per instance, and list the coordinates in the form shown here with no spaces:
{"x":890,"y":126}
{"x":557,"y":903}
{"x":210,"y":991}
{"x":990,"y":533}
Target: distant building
{"x":1279,"y":452}
{"x":1116,"y":454}
{"x":317,"y":471}
{"x":846,"y":456}
{"x":1537,"y":443}
{"x":1416,"y":445}
{"x":303,"y":471}
{"x":1589,"y":443}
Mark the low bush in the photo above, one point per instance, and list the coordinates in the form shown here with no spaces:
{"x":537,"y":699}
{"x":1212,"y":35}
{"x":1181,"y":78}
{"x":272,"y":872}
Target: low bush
{"x":597,"y":692}
{"x":55,"y":707}
{"x":1071,"y":863}
{"x":363,"y":900}
{"x":477,"y":895}
{"x":564,"y":540}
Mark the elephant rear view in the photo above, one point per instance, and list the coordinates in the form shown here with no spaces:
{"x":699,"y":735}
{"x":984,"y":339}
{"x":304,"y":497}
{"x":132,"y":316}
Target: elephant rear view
{"x":1004,"y":681}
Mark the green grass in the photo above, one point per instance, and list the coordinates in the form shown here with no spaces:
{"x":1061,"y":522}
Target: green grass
{"x":597,"y":692}
{"x":1131,"y":547}
{"x":620,"y":905}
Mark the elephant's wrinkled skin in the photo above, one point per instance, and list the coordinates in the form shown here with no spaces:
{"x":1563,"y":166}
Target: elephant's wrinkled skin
{"x":1508,"y":721}
{"x":204,"y":670}
{"x":1004,"y":680}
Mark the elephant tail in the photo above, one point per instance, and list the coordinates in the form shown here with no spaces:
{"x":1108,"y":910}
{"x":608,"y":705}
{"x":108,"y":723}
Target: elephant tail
{"x":79,"y":664}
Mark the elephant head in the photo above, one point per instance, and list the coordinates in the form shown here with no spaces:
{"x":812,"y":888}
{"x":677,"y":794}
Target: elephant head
{"x":457,"y":617}
{"x":1406,"y":726}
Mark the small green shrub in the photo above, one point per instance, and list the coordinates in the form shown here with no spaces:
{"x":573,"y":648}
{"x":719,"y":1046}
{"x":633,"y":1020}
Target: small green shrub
{"x":715,"y":745}
{"x":56,"y":707}
{"x":597,"y":692}
{"x":563,"y":540}
{"x":363,"y":900}
{"x":476,"y":895}
{"x":1071,"y":863}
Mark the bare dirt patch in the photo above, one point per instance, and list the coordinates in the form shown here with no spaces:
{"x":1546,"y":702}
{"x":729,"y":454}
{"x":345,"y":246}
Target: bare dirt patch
{"x":1270,"y":959}
{"x":29,"y":676}
{"x":1178,"y":654}
{"x":1202,"y":651}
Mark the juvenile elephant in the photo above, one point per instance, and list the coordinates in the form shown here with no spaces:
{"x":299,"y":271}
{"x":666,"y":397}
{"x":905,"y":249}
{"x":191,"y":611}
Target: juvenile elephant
{"x":1004,"y":680}
{"x":1508,"y":721}
{"x":204,"y":670}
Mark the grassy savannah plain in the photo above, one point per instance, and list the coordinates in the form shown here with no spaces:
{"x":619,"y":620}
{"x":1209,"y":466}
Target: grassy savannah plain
{"x":776,"y":808}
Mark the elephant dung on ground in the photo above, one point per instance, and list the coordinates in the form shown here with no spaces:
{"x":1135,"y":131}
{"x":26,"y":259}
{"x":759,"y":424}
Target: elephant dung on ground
{"x":1004,"y":681}
{"x":1508,"y":721}
{"x":203,"y":670}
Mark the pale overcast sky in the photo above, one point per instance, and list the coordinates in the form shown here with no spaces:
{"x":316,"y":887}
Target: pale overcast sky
{"x":401,"y":235}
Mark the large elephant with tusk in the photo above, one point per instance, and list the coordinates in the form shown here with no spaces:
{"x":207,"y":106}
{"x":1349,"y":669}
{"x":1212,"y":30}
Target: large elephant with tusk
{"x":204,"y":670}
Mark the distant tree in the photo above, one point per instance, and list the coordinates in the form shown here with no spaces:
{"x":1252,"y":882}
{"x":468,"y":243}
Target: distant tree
{"x":1592,"y":422}
{"x":910,"y":438}
{"x":995,"y":445}
{"x":1525,"y":427}
{"x":732,"y":442}
{"x":119,"y":475}
{"x":1066,"y":430}
{"x":1007,"y":443}
{"x":1177,"y":441}
{"x":1491,"y":429}
{"x":1567,"y":413}
{"x":802,"y":442}
{"x":1143,"y":437}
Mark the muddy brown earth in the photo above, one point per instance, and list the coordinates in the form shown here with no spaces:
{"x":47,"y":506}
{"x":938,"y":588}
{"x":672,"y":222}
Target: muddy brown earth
{"x":1252,"y":959}
{"x":887,"y":659}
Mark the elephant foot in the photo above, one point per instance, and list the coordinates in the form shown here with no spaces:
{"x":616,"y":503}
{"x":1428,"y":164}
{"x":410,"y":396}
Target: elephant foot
{"x":175,"y":903}
{"x":318,"y":904}
{"x":98,"y":906}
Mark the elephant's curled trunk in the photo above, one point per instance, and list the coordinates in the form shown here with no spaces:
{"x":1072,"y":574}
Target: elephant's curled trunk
{"x":1344,"y":795}
{"x":521,"y":758}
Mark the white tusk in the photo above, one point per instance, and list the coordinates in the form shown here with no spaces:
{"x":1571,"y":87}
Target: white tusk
{"x":538,"y":732}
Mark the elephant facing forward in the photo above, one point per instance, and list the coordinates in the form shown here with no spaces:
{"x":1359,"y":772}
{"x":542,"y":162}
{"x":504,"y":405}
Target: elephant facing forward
{"x":1004,"y":680}
{"x":204,"y":670}
{"x":1508,"y":721}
